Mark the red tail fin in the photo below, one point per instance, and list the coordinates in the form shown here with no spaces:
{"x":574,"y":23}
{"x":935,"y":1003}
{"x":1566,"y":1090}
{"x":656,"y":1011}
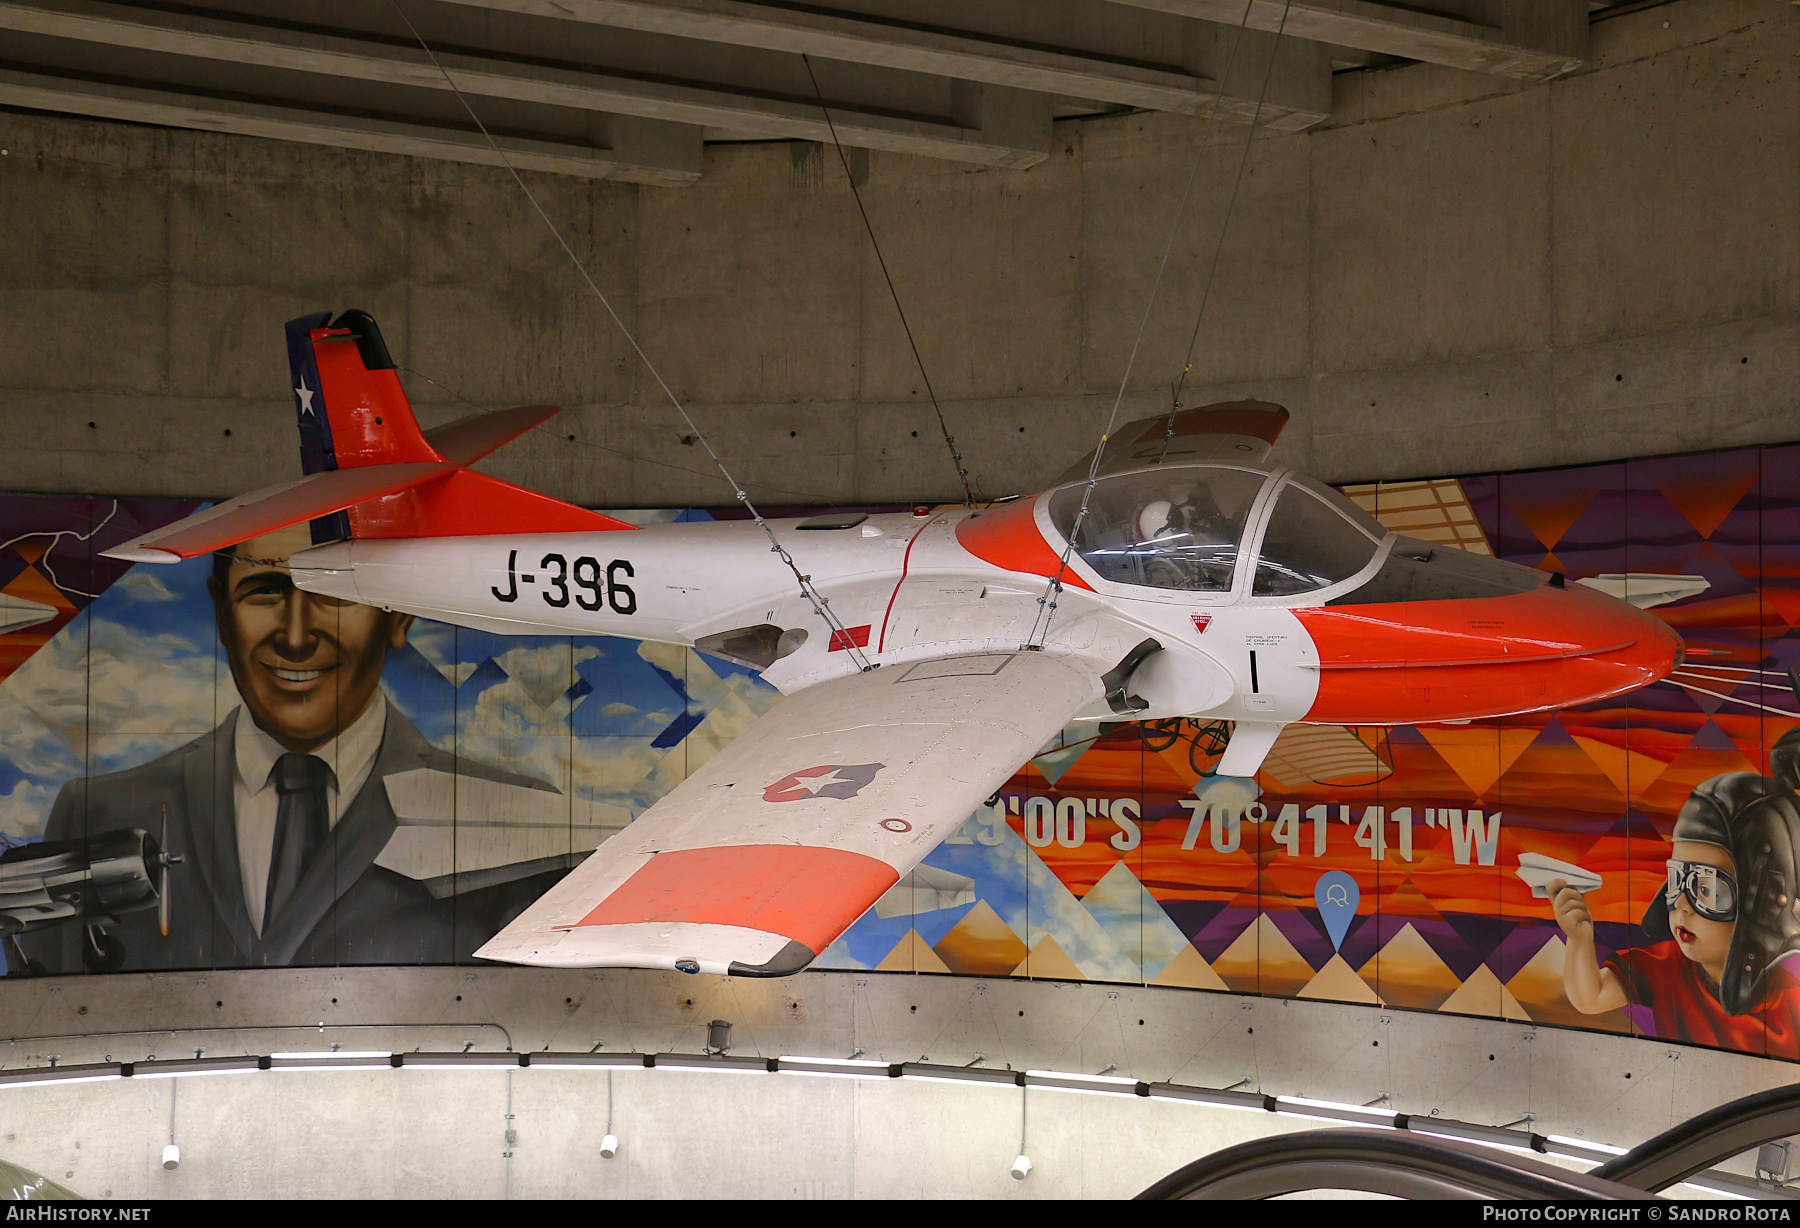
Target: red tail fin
{"x":370,"y":471}
{"x":368,"y":420}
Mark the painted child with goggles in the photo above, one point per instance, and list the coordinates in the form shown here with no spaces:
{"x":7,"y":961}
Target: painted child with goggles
{"x":1727,"y":918}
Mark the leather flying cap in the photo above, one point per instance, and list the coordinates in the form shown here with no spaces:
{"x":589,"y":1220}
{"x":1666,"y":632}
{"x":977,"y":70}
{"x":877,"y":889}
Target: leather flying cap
{"x":1757,"y":820}
{"x":1784,"y":759}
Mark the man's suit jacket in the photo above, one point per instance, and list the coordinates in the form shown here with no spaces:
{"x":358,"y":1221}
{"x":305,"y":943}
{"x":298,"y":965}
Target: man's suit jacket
{"x":345,"y":910}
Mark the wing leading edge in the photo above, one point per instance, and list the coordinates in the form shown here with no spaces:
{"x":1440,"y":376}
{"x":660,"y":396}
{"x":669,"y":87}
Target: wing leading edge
{"x":756,"y":862}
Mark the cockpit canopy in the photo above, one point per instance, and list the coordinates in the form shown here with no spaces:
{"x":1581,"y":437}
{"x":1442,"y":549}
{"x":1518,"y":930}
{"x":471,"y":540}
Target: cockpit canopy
{"x":1188,"y":528}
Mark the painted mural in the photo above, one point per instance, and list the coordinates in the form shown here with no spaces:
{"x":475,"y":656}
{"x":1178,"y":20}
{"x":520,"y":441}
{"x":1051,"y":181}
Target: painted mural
{"x":1631,"y":865}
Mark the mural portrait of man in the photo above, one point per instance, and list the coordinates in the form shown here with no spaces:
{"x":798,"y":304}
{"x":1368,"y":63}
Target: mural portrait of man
{"x":315,"y":824}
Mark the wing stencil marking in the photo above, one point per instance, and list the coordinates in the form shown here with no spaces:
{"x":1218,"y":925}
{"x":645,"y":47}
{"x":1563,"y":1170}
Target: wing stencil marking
{"x":760,"y":859}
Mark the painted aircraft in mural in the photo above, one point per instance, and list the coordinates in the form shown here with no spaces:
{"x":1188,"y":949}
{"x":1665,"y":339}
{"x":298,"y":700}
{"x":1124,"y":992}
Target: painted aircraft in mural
{"x":927,"y":655}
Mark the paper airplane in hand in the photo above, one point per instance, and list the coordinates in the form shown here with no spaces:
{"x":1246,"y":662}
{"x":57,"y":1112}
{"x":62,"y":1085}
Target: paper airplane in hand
{"x":1538,"y":870}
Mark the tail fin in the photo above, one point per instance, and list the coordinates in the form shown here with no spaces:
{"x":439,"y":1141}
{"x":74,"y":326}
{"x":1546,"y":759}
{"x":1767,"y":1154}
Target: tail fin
{"x":350,"y":406}
{"x":347,"y":396}
{"x":370,"y":471}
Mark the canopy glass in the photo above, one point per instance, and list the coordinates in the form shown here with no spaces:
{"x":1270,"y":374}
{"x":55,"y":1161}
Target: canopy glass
{"x":1183,"y":527}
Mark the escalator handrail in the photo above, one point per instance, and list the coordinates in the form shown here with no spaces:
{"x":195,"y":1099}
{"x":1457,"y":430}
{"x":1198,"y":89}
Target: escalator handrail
{"x":1707,"y":1139}
{"x":1393,"y":1162}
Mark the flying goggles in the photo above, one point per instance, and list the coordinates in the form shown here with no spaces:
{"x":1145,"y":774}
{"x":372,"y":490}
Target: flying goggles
{"x":1711,"y":891}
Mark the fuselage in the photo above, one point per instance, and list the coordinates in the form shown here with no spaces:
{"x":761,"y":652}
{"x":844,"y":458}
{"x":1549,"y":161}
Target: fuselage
{"x":1266,"y":598}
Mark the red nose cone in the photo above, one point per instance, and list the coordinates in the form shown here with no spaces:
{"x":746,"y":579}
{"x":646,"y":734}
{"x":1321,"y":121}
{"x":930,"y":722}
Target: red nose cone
{"x":1655,"y":652}
{"x":1469,"y":659}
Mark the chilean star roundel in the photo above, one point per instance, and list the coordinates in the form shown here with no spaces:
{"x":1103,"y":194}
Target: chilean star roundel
{"x":826,"y":780}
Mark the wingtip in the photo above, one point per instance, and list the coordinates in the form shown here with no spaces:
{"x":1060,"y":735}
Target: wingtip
{"x":140,"y":554}
{"x":792,"y":958}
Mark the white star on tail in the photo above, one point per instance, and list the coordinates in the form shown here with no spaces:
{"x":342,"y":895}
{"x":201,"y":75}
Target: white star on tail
{"x":814,"y":784}
{"x":306,"y":395}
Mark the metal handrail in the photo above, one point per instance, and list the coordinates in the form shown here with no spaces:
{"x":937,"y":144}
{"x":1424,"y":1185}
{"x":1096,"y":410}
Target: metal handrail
{"x":1395,"y":1163}
{"x":1703,"y":1141}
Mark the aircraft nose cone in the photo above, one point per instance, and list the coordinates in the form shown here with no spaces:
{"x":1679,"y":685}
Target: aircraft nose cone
{"x":1630,"y":647}
{"x":1475,"y":658}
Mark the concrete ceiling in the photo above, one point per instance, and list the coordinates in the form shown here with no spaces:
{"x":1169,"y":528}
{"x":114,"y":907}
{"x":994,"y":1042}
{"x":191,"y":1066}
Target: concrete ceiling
{"x":631,"y":89}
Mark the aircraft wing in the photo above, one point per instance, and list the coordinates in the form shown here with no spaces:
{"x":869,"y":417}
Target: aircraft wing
{"x":756,"y":862}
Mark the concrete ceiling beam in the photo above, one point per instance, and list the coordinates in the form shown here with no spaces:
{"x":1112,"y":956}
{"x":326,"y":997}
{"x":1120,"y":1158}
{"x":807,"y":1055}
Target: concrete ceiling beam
{"x":1017,"y":63}
{"x":1533,"y":40}
{"x":641,"y":154}
{"x":993,"y":125}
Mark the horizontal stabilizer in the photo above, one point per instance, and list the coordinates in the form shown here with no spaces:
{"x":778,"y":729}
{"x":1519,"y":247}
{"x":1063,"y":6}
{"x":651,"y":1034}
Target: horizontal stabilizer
{"x":467,"y":440}
{"x":471,"y":504}
{"x":274,"y":507}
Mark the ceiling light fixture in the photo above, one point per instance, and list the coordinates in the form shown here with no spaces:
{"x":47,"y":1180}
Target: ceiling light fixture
{"x":42,"y":1076}
{"x":364,"y":1059}
{"x":460,"y":1061}
{"x":1095,"y":1084}
{"x":1251,"y":1102}
{"x":1335,"y":1112}
{"x":587,"y":1061}
{"x":189,"y":1066}
{"x":932,"y":1072}
{"x":719,"y":1063}
{"x":837,"y":1067}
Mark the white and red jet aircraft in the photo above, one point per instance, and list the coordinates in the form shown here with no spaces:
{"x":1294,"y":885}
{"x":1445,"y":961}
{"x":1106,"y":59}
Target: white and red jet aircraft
{"x":1203,"y":582}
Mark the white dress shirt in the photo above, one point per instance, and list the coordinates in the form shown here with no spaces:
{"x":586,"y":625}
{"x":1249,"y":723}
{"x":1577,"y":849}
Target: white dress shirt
{"x":349,"y":757}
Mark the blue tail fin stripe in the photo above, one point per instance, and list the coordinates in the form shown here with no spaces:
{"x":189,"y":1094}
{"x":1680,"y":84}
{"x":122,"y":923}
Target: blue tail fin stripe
{"x":316,"y":454}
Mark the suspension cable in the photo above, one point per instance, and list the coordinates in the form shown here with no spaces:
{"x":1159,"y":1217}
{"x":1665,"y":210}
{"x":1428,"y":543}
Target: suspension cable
{"x":1040,"y":627}
{"x":962,"y":473}
{"x":840,"y":637}
{"x":1212,"y":271}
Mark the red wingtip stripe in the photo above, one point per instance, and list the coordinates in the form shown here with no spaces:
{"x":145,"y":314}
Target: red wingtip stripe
{"x":806,"y":893}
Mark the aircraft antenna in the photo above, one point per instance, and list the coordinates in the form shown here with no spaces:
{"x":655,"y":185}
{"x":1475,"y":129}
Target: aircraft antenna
{"x":1040,"y":628}
{"x":840,"y":638}
{"x":962,"y":473}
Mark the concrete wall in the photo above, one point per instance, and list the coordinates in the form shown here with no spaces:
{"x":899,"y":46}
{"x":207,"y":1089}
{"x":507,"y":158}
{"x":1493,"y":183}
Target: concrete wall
{"x":400,"y":1133}
{"x":1457,"y":273}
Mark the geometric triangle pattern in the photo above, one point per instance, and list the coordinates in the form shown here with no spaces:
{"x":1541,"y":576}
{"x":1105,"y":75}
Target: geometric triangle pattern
{"x":1408,"y":972}
{"x":1189,"y":970}
{"x":1135,"y":921}
{"x":1479,"y":754}
{"x":1337,"y":982}
{"x":1047,"y":961}
{"x":1550,"y":514}
{"x":1483,"y":994}
{"x":1705,"y":490}
{"x":1631,"y":772}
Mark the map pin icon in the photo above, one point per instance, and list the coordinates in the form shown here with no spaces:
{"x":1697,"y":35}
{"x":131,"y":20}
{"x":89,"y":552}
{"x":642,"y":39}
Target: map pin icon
{"x":1337,"y":896}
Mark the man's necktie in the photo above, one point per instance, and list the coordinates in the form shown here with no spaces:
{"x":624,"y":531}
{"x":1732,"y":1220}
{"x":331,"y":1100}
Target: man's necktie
{"x":301,"y":824}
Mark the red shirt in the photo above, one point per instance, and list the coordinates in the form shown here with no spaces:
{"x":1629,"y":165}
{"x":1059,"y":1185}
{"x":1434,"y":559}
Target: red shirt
{"x":1672,"y":986}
